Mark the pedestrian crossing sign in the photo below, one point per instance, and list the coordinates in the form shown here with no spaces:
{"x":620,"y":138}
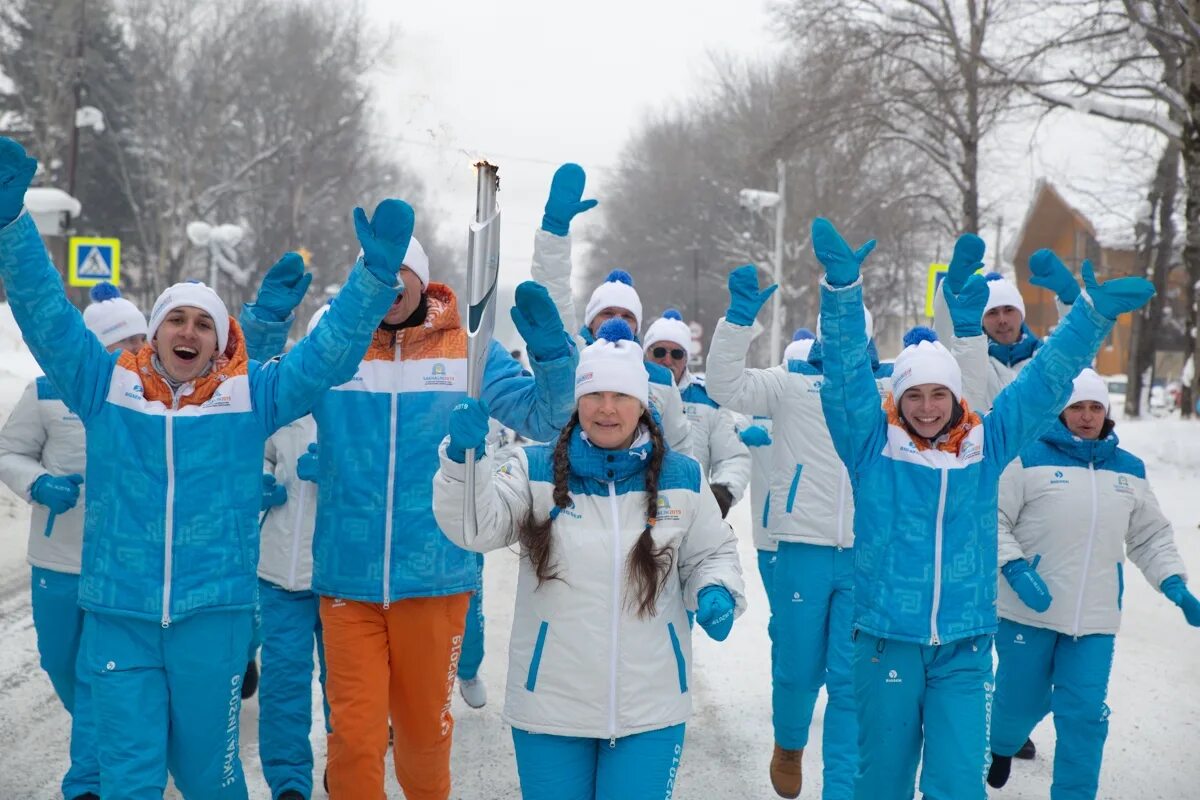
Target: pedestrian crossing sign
{"x":937,"y":272}
{"x":94,"y":260}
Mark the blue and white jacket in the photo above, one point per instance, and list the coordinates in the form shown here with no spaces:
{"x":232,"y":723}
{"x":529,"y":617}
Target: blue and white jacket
{"x":287,"y":530}
{"x":42,"y":436}
{"x":174,"y":477}
{"x":1083,"y":506}
{"x":810,"y":498}
{"x":581,"y":662}
{"x":925,"y":516}
{"x":378,"y":433}
{"x":761,"y":462}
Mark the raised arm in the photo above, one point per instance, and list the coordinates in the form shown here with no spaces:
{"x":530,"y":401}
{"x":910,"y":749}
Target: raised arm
{"x":1028,"y":405}
{"x":552,"y":243}
{"x":728,"y":380}
{"x":849,"y":397}
{"x":287,"y":389}
{"x":502,"y":497}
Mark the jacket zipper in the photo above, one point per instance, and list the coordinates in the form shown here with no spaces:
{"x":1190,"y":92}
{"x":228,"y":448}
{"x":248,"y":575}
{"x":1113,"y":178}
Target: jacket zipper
{"x":937,"y":562}
{"x":169,"y":522}
{"x":387,"y":514}
{"x":616,"y":614}
{"x":1087,"y":554}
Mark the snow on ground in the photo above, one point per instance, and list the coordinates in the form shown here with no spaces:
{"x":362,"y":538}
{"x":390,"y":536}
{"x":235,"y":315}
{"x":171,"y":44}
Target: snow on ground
{"x":1154,"y":695}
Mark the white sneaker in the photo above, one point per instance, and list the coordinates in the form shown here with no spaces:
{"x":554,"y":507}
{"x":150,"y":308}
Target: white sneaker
{"x":473,"y":691}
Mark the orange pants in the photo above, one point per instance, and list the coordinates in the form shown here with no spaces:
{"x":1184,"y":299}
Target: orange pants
{"x":409,"y":655}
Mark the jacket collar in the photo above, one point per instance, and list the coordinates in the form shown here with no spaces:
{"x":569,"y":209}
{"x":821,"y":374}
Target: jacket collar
{"x":442,"y":316}
{"x":589,"y":461}
{"x":1012,"y":354}
{"x":1091,"y":451}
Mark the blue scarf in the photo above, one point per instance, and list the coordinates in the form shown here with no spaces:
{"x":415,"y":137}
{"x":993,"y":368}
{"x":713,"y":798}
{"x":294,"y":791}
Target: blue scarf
{"x":1012,"y":354}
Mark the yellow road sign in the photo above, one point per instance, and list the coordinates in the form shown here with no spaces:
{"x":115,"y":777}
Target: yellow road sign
{"x":936,"y":273}
{"x":94,"y":260}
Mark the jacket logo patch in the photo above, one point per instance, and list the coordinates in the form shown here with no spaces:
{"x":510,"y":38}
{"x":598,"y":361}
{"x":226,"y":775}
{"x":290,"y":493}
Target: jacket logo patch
{"x":1059,"y":478}
{"x":665,"y":512}
{"x":218,"y":400}
{"x":1122,"y":485}
{"x":894,"y":677}
{"x":1019,"y":639}
{"x":135,"y":392}
{"x":969,"y":451}
{"x":438,"y":376}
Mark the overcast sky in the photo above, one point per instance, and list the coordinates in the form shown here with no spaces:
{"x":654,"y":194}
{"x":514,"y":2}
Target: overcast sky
{"x":536,"y":83}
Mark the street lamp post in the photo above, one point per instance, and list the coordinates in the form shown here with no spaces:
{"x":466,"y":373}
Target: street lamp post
{"x":759,"y":200}
{"x":220,"y":241}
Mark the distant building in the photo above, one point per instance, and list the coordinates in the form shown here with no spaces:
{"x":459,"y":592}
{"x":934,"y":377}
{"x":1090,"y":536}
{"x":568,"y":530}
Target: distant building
{"x":1052,"y":222}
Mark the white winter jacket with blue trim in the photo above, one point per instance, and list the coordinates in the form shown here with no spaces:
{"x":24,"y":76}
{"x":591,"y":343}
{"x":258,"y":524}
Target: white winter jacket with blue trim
{"x":580,"y":661}
{"x":1082,"y":506}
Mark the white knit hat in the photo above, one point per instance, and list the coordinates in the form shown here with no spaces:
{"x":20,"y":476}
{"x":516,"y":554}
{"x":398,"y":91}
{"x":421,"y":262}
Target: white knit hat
{"x":416,"y":260}
{"x":197,"y":295}
{"x":670,"y":327}
{"x":800,"y":346}
{"x":613,"y":363}
{"x":925,"y":360}
{"x":111,"y":317}
{"x":616,"y":292}
{"x":1089,"y":386}
{"x":1002,"y":292}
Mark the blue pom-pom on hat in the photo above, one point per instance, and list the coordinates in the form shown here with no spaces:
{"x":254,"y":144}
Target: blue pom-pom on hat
{"x":615,"y":330}
{"x":993,"y":276}
{"x":104,"y":291}
{"x":672,"y":313}
{"x":801,"y":334}
{"x":619,"y":276}
{"x":919,"y":334}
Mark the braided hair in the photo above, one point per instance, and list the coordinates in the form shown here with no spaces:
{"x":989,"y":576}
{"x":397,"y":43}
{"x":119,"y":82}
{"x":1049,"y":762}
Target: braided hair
{"x":648,"y":567}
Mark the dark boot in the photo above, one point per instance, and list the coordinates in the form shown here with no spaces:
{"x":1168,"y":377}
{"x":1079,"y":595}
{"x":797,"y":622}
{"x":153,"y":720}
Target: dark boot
{"x":87,"y":796}
{"x":250,"y":680}
{"x":1027,"y":751}
{"x":291,"y":794}
{"x":998,"y":774}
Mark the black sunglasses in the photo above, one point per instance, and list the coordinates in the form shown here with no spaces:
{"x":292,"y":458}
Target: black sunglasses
{"x":676,"y":352}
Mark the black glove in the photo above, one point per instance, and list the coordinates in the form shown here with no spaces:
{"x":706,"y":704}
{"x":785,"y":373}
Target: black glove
{"x":724,"y":497}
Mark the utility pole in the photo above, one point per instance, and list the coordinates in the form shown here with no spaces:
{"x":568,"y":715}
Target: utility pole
{"x":777,"y":298}
{"x":77,"y":93}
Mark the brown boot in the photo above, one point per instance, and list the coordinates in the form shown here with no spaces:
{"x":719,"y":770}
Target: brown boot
{"x":786,"y":774}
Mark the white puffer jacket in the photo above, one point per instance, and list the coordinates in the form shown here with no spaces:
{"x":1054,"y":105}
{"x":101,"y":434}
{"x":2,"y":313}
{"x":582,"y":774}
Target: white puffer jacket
{"x":580,"y":661}
{"x":1083,"y":506}
{"x":285,"y":555}
{"x":42,"y":436}
{"x":811,"y":500}
{"x":715,"y":443}
{"x":551,"y":267}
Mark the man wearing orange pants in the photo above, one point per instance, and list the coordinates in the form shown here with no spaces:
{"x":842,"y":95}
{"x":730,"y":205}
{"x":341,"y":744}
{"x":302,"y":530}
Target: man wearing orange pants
{"x":394,"y":591}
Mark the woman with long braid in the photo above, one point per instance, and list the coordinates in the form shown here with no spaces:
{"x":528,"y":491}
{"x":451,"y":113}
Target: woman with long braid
{"x":619,"y":537}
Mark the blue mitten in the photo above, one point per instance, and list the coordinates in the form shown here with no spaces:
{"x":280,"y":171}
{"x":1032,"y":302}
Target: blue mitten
{"x":1023,"y":578}
{"x":539,"y":323}
{"x":1177,"y":592}
{"x":842,"y":265}
{"x":564,"y":202}
{"x":966,"y":261}
{"x":385,"y":239}
{"x":1116,"y":296}
{"x":282,"y":288}
{"x":16,"y":171}
{"x":59,"y":493}
{"x":468,"y":429}
{"x":966,"y":307}
{"x":307,"y":464}
{"x":755,"y":436}
{"x":1049,"y":272}
{"x":745,"y":300}
{"x":714,"y":611}
{"x":273,"y":494}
